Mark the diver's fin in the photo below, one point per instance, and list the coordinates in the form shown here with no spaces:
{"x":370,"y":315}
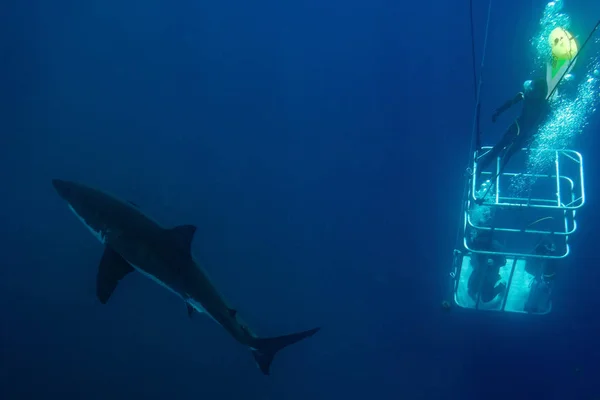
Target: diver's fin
{"x":111,"y":270}
{"x":265,"y":349}
{"x":190,"y":310}
{"x":183,"y":236}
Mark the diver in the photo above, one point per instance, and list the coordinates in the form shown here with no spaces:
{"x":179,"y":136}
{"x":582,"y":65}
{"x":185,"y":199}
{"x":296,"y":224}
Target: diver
{"x":543,"y":271}
{"x":485,"y":278}
{"x":521,"y":132}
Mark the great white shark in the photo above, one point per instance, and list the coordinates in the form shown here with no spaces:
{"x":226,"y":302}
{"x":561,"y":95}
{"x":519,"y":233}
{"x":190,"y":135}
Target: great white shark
{"x":135,"y":242}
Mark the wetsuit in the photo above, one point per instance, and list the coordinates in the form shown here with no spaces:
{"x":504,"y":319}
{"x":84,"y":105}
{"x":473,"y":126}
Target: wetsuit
{"x":485,"y":277}
{"x":543,"y":271}
{"x":521,"y":132}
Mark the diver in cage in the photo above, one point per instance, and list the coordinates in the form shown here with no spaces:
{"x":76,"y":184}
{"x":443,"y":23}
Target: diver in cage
{"x":485,"y":278}
{"x":543,"y":271}
{"x":521,"y":132}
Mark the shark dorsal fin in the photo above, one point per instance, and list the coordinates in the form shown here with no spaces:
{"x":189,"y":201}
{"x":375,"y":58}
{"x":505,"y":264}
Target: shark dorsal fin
{"x":183,"y":236}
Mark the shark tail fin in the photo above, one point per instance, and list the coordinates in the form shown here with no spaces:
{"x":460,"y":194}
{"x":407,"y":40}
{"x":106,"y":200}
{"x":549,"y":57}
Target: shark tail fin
{"x":265,"y":349}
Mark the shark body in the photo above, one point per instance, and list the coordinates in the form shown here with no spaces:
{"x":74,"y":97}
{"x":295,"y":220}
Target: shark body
{"x":135,"y":242}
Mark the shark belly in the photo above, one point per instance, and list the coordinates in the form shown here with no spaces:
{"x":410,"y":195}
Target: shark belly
{"x":101,"y":236}
{"x":155,"y":279}
{"x":196,"y":305}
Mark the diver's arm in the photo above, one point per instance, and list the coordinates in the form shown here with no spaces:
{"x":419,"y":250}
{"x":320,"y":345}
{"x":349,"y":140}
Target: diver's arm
{"x":507,"y":105}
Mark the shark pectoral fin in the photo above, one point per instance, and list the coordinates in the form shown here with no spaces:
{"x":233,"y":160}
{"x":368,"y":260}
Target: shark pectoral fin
{"x":111,"y":270}
{"x":183,"y":236}
{"x":190,"y":309}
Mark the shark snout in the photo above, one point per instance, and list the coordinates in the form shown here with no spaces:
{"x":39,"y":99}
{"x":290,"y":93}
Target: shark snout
{"x":62,"y":187}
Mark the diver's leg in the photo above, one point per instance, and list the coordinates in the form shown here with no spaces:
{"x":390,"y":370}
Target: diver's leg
{"x":518,"y":142}
{"x":490,"y":292}
{"x":499,"y":289}
{"x":485,"y":160}
{"x":531,"y":303}
{"x":493,"y":286}
{"x":539,"y":296}
{"x":507,"y":138}
{"x":474,"y":283}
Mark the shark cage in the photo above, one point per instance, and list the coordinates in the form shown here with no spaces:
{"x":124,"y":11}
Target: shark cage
{"x":515,"y":230}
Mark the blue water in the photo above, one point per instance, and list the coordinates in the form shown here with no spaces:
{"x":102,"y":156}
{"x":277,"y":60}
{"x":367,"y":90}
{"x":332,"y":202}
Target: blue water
{"x":319,"y":147}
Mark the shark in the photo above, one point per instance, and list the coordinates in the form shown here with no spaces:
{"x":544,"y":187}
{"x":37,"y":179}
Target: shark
{"x":134,"y":242}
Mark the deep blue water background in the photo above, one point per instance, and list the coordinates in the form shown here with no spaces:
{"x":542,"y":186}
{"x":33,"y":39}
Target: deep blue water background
{"x":319,"y":147}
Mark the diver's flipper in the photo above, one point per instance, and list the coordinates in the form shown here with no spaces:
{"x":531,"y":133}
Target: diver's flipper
{"x":555,"y":70}
{"x":111,"y":270}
